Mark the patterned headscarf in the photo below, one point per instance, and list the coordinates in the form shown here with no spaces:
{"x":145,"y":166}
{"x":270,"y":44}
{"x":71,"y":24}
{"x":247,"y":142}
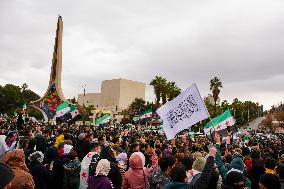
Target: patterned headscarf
{"x":103,"y":167}
{"x":36,"y":156}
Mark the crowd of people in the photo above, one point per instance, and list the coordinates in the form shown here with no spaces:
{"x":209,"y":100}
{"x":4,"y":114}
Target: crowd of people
{"x":43,"y":156}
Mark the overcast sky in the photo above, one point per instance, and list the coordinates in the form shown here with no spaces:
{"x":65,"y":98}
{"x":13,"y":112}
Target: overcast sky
{"x":241,"y":42}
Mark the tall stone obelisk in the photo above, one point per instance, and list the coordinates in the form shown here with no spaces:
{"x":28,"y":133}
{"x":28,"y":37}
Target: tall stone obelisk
{"x":53,"y":96}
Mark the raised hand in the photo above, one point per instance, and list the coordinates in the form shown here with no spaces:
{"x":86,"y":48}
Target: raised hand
{"x":212,"y":151}
{"x":217,"y":138}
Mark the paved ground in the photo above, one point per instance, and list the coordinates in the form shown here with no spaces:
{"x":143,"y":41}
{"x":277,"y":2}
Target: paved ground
{"x":254,"y":124}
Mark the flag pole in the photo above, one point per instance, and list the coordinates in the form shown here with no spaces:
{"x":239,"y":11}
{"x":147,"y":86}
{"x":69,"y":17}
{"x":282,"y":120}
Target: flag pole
{"x":212,"y":124}
{"x":211,"y":134}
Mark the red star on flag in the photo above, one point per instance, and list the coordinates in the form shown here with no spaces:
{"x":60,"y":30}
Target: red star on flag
{"x":218,"y":127}
{"x":84,"y":174}
{"x":227,"y":123}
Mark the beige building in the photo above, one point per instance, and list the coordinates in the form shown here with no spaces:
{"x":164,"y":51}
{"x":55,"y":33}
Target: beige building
{"x":210,"y":99}
{"x":114,"y":93}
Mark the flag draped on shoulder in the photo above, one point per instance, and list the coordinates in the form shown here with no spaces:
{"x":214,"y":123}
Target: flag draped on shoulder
{"x":182,"y":112}
{"x":62,"y":109}
{"x":146,"y":114}
{"x":220,"y":122}
{"x":104,"y":119}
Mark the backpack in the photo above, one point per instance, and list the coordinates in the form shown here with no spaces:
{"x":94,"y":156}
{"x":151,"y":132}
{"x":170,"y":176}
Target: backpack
{"x":94,"y":162}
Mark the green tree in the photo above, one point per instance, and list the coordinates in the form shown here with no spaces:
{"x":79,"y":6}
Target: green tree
{"x":73,"y":100}
{"x":280,"y":117}
{"x":225,"y":105}
{"x":158,"y":83}
{"x":215,"y":84}
{"x":137,"y":106}
{"x":24,"y":87}
{"x":173,"y":90}
{"x":11,"y":98}
{"x":28,"y":95}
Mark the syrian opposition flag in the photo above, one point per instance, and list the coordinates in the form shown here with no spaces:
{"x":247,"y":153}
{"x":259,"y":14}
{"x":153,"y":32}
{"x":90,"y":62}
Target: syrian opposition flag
{"x":62,"y":109}
{"x":74,"y":114}
{"x":24,"y":109}
{"x":104,"y":119}
{"x":146,"y":114}
{"x":220,"y":122}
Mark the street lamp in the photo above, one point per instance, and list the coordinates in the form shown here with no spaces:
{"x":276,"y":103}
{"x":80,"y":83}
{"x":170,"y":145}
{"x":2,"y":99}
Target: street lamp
{"x":84,"y":90}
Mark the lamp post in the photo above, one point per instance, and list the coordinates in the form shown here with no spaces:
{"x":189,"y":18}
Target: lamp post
{"x":84,"y":92}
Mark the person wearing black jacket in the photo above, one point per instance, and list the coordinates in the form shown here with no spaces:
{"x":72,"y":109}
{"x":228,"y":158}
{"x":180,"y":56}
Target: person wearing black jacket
{"x":41,"y":176}
{"x":114,"y":174}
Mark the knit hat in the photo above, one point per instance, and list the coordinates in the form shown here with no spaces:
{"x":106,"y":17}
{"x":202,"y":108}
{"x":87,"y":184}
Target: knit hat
{"x":270,"y":181}
{"x":199,"y":164}
{"x":103,"y":167}
{"x":6,"y":175}
{"x":234,"y":176}
{"x":237,"y":163}
{"x":36,"y":156}
{"x":67,"y":148}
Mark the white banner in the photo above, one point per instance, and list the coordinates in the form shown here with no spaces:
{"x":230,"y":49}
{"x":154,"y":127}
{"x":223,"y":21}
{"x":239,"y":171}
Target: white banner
{"x":182,"y":112}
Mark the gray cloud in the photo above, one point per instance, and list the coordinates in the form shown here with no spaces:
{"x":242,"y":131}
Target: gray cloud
{"x":186,"y":41}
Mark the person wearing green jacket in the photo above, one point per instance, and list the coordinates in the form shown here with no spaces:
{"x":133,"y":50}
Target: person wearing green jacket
{"x":237,"y":165}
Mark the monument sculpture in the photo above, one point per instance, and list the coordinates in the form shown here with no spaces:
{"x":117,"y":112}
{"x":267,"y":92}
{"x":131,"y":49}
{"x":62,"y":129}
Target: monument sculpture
{"x":53,"y":96}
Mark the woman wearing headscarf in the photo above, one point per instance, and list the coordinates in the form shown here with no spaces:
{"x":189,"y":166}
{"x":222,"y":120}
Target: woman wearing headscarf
{"x":16,"y":160}
{"x":114,"y":173}
{"x":42,"y":177}
{"x":136,"y":177}
{"x":101,"y":181}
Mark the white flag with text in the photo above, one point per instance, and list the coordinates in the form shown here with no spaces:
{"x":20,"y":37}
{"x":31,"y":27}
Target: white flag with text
{"x":182,"y":112}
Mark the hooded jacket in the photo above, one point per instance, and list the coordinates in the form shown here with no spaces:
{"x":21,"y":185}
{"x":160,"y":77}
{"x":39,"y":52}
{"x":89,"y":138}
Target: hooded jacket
{"x":237,"y":163}
{"x":16,"y":160}
{"x":137,"y":175}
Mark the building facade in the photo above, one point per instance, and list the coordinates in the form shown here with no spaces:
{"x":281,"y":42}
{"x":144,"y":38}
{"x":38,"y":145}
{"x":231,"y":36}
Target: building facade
{"x":115,"y":94}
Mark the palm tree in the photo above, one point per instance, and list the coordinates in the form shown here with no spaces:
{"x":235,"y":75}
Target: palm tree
{"x":215,"y":84}
{"x":137,"y":106}
{"x":165,"y":92}
{"x":158,"y":83}
{"x":225,"y":105}
{"x":173,"y":90}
